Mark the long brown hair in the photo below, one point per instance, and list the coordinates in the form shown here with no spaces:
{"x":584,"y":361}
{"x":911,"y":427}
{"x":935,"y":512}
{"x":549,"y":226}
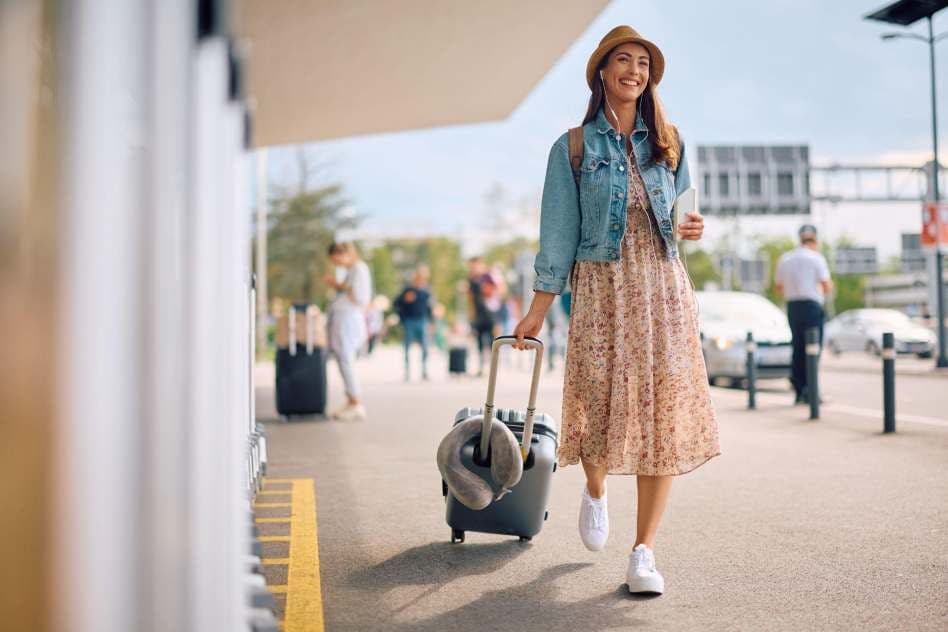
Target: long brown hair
{"x":662,"y":135}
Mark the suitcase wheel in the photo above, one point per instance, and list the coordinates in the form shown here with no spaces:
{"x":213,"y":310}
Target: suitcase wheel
{"x":457,"y":536}
{"x":525,"y":538}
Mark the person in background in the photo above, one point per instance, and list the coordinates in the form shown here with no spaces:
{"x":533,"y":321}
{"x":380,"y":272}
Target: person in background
{"x":803,"y":279}
{"x":413,"y":307}
{"x":482,"y":290}
{"x":347,"y":328}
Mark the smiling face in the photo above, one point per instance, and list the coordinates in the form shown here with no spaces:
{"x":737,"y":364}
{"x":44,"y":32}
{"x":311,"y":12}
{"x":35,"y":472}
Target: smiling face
{"x":626,"y":73}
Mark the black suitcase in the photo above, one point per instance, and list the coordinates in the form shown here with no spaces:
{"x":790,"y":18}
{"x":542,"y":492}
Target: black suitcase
{"x":457,"y":360}
{"x":300,"y":375}
{"x":301,"y":381}
{"x":522,"y":511}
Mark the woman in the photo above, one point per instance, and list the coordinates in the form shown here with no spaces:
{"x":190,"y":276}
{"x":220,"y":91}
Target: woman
{"x":635,"y":395}
{"x":347,"y":327}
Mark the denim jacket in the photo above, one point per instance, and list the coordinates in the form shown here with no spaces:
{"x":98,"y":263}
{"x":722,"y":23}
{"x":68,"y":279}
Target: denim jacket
{"x":587,"y":223}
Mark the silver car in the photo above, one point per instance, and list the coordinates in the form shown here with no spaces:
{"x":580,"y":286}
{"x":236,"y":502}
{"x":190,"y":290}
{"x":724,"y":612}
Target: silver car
{"x":725,"y":318}
{"x":862,"y":329}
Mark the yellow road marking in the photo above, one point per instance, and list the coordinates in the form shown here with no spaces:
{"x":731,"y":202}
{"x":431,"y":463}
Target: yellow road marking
{"x":278,"y":590}
{"x":304,"y":602}
{"x":278,"y":492}
{"x":275,"y":561}
{"x":271,"y":505}
{"x":272,"y":520}
{"x":276,"y":538}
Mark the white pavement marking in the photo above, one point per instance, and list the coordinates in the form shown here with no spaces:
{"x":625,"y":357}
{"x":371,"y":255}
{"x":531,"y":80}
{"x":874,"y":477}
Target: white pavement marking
{"x":841,"y":408}
{"x":877,"y":414}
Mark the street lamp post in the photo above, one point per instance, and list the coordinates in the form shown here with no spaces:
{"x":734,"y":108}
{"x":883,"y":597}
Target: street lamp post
{"x":904,"y":13}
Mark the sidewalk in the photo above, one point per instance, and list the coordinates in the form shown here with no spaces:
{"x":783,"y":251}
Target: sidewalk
{"x":799,"y":525}
{"x":866,"y":363}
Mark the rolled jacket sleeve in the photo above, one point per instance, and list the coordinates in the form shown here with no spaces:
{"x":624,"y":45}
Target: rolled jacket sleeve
{"x":559,"y":222}
{"x":682,"y":175}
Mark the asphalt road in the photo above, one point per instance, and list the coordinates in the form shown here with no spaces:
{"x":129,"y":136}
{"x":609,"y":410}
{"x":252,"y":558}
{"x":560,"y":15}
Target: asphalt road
{"x":852,"y":383}
{"x":798,"y":525}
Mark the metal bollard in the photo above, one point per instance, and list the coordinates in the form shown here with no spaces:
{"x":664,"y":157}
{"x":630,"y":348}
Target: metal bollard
{"x":888,"y":381}
{"x":751,"y":347}
{"x":812,"y":370}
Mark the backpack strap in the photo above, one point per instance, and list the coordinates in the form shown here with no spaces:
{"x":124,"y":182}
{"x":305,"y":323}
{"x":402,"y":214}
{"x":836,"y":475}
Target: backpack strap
{"x":576,"y":151}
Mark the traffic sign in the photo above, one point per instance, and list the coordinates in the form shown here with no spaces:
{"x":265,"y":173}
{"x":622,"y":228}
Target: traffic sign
{"x":857,"y":260}
{"x":929,"y":223}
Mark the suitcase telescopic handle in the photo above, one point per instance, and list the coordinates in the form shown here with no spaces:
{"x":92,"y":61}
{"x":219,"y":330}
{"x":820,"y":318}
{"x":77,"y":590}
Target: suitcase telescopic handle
{"x":499,"y":342}
{"x":291,"y":323}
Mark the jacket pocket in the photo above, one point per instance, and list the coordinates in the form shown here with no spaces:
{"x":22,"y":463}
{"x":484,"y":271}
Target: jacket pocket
{"x":662,"y":184}
{"x":593,"y":190}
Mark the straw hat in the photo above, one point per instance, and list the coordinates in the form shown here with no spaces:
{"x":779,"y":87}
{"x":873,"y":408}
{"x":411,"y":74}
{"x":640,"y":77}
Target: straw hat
{"x":623,"y":35}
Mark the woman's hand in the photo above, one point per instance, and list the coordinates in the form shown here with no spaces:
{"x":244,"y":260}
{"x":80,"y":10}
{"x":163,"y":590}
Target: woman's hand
{"x":692,"y":228}
{"x":330,"y":280}
{"x":528,"y":327}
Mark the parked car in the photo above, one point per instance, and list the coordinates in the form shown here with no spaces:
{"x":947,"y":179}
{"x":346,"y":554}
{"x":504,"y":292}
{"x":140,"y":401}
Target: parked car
{"x":725,"y":318}
{"x":862,"y":329}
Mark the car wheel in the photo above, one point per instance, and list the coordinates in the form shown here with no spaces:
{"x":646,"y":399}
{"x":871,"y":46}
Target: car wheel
{"x":925,"y":355}
{"x":873,"y":348}
{"x":834,"y":348}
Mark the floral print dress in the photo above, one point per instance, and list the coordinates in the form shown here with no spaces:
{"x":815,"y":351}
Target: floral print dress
{"x":636,"y":396}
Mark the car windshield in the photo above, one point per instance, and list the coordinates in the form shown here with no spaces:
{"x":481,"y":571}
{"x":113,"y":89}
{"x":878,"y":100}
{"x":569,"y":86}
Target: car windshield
{"x":885,"y":317}
{"x":739,"y":308}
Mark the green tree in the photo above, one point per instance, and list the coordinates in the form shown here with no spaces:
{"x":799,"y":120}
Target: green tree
{"x":443,"y":256}
{"x":770,"y":250}
{"x":505,"y":254}
{"x":849,"y":293}
{"x":301,"y":228}
{"x":394,"y":261}
{"x":385,"y":277}
{"x":700,"y":267}
{"x":849,"y":289}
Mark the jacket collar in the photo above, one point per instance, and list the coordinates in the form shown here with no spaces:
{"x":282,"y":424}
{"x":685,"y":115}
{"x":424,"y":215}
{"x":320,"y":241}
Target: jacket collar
{"x":603,"y":126}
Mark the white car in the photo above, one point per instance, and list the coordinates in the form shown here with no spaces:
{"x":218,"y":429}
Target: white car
{"x":725,"y":318}
{"x":862,"y":329}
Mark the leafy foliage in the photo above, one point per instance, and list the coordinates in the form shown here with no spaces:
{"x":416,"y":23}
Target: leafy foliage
{"x":394,"y":261}
{"x":301,"y":228}
{"x":700,"y":267}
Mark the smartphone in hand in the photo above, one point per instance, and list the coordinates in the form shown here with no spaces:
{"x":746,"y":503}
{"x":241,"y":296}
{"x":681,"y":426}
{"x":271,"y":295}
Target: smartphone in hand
{"x":685,"y":203}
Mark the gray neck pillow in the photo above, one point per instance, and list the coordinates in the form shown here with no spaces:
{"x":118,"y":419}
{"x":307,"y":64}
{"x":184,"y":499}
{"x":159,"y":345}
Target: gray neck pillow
{"x":506,"y":462}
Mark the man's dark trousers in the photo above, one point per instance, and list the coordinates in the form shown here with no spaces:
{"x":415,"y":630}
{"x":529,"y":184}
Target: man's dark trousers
{"x":802,"y":316}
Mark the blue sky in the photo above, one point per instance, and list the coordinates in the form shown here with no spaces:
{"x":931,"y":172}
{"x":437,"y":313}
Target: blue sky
{"x":802,"y":72}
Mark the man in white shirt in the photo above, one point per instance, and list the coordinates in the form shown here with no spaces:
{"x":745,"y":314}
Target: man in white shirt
{"x":803,"y":278}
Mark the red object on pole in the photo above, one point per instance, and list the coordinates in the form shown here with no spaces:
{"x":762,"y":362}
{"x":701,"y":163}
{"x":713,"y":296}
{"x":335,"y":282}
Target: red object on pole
{"x":932,"y":224}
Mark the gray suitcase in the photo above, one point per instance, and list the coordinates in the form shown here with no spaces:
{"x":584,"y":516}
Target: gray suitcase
{"x":522,"y":511}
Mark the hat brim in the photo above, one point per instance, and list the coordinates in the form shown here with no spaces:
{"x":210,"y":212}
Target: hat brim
{"x":656,"y":64}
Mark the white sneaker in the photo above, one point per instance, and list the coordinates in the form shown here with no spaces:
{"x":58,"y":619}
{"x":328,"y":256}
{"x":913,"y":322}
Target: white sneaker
{"x":352,"y":413}
{"x":643,"y":576}
{"x":338,"y":411}
{"x":593,"y":521}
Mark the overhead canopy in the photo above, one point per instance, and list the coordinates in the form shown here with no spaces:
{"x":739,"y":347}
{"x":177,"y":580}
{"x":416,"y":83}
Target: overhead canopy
{"x":907,"y":12}
{"x":321,"y":69}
